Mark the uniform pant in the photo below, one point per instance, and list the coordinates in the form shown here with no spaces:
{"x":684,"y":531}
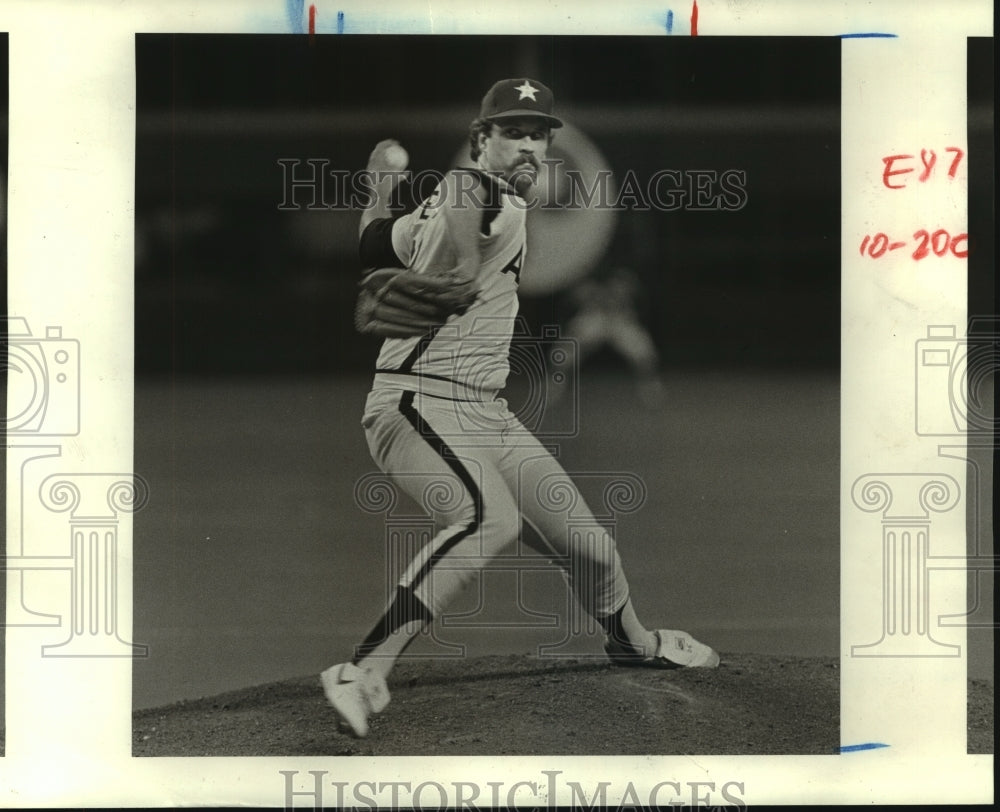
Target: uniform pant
{"x":475,"y":468}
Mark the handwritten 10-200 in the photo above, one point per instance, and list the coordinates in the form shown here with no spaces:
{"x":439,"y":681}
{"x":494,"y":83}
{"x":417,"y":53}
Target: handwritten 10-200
{"x":939,"y":243}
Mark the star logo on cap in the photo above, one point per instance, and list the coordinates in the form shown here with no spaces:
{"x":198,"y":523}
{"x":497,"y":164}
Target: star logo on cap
{"x":527,"y":91}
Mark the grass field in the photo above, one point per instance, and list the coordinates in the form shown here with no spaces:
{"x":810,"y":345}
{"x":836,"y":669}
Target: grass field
{"x":254,"y":563}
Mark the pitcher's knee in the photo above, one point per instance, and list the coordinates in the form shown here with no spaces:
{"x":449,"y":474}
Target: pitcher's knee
{"x":501,"y":525}
{"x":447,"y":500}
{"x":463,"y":517}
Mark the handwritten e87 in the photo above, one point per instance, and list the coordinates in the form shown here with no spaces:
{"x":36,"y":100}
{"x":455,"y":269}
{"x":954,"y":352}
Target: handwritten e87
{"x":896,"y":169}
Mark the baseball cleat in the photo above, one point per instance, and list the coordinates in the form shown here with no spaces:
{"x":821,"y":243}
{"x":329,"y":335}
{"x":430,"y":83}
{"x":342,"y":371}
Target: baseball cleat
{"x":355,"y":693}
{"x":674,"y":649}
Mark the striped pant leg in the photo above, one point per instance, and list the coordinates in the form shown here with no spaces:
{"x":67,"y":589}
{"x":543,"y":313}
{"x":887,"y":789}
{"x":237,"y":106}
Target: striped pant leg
{"x":419,"y":444}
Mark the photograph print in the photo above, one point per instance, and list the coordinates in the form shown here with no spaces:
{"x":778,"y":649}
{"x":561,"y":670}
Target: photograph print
{"x":487,"y":393}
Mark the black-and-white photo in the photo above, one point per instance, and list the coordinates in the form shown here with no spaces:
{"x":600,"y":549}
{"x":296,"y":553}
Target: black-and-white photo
{"x":487,"y":391}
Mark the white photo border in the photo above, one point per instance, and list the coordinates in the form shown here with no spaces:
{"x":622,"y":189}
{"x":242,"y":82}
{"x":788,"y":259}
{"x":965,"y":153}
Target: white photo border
{"x":70,"y":257}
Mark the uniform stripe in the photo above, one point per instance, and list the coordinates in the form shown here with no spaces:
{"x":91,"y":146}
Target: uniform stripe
{"x":406,"y":606}
{"x":418,"y":375}
{"x":493,"y":206}
{"x":427,"y":375}
{"x":409,"y":411}
{"x":418,"y":349}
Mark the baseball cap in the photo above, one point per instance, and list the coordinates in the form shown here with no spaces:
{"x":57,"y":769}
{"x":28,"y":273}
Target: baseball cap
{"x":510,"y":98}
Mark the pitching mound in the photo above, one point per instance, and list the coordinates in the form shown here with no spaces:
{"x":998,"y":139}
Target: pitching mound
{"x":520,"y":705}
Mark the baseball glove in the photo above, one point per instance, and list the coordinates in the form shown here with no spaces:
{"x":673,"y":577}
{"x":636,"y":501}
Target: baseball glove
{"x":397,"y":303}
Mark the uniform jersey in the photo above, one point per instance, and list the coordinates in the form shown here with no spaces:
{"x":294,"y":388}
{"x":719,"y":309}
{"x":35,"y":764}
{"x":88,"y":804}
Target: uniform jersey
{"x":468,"y":355}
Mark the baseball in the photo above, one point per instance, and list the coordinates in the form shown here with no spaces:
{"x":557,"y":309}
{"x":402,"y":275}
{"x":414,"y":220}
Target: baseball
{"x":396,"y":157}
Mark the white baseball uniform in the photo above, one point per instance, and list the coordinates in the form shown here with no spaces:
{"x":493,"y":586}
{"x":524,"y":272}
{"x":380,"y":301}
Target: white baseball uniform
{"x":434,"y":414}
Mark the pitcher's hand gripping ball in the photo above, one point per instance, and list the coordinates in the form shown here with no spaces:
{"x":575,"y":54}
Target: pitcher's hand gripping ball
{"x":388,"y":156}
{"x":399,"y":303}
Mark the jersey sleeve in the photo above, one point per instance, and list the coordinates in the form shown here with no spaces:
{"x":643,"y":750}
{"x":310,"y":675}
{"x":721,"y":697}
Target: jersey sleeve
{"x":377,"y":249}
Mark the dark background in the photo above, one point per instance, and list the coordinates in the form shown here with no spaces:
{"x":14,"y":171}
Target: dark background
{"x":227,"y":283}
{"x":984,"y":346}
{"x":982,"y":178}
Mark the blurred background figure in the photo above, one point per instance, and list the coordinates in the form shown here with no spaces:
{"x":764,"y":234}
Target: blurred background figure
{"x":607,"y":314}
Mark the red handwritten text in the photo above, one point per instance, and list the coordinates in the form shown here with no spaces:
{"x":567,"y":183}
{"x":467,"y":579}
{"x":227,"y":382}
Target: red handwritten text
{"x":940,"y":243}
{"x":896,"y":167}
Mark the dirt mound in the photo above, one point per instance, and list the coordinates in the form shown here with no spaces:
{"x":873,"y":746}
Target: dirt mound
{"x":519,"y":705}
